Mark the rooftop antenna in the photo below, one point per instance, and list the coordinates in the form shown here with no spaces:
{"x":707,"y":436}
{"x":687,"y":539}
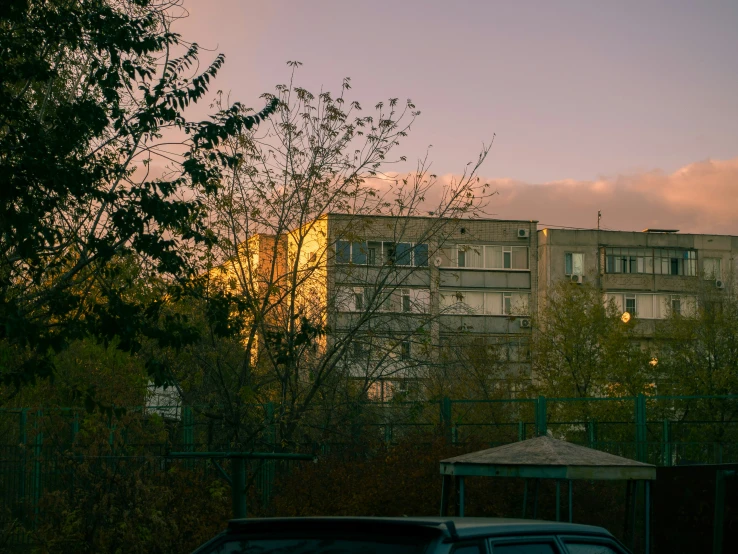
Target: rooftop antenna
{"x":599,"y":216}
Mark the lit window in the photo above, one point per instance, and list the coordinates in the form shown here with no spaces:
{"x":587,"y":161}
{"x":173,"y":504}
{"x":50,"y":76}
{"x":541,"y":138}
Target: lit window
{"x":506,"y":303}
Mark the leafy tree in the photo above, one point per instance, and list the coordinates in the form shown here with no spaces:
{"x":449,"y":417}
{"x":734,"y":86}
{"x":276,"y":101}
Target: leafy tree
{"x":698,"y":356}
{"x":93,"y":96}
{"x":582,"y":349}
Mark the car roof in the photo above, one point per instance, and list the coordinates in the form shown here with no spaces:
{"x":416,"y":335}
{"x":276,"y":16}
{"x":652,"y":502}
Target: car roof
{"x":454,"y":528}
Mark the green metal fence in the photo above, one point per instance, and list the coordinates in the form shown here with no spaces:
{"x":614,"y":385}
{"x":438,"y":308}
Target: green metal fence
{"x":42,"y":450}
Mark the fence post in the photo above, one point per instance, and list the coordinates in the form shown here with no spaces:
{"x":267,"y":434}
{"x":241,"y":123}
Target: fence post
{"x":271,"y":435}
{"x":23,"y":419}
{"x":36,"y":479}
{"x":541,"y":424}
{"x":641,"y":434}
{"x":521,"y":431}
{"x":446,"y":417}
{"x":591,"y":435}
{"x":188,"y":434}
{"x":666,"y":444}
{"x":111,"y":426}
{"x":75,"y":427}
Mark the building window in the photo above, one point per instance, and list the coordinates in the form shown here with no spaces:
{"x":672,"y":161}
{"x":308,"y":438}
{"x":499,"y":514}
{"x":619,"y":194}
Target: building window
{"x":485,"y":256}
{"x":507,"y":257}
{"x":359,"y":350}
{"x":485,"y":303}
{"x":343,"y":252}
{"x":420,"y":255}
{"x":676,"y":305}
{"x":406,"y":304}
{"x":711,"y":268}
{"x":405,"y":350}
{"x":659,"y":261}
{"x":507,"y":303}
{"x":369,"y":253}
{"x":630,"y":304}
{"x":359,"y":299}
{"x":574,"y":263}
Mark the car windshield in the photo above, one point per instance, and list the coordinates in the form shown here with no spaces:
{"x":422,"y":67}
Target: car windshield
{"x":320,"y":546}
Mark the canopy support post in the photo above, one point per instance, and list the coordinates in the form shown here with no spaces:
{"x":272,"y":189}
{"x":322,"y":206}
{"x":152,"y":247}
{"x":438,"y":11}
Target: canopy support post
{"x":445,"y":490}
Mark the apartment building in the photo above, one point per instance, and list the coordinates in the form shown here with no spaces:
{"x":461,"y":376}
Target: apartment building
{"x":648,"y":274}
{"x":412,"y":290}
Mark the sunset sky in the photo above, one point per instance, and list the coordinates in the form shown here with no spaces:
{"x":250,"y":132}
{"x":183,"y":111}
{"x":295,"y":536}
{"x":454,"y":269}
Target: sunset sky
{"x":629,"y":107}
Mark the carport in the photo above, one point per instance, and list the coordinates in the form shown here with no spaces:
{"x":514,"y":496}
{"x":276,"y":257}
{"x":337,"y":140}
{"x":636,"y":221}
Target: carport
{"x":548,"y":458}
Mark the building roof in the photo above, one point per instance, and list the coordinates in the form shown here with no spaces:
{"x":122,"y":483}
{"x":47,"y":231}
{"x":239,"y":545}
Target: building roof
{"x":548,"y":458}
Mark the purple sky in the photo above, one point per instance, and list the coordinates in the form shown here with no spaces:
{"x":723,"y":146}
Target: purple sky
{"x":609,"y":97}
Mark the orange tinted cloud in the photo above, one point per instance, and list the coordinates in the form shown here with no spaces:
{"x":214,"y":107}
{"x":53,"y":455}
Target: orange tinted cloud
{"x":699,"y":198}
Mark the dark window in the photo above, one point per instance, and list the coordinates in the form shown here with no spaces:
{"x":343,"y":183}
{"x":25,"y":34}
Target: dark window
{"x":405,"y":350}
{"x":359,"y":350}
{"x":675,"y":266}
{"x":359,"y":301}
{"x":406,"y":301}
{"x":343,"y":252}
{"x":582,"y":548}
{"x":371,"y":256}
{"x":630,"y":305}
{"x":462,"y":258}
{"x":525,"y":548}
{"x":421,"y":255}
{"x":390,"y":252}
{"x":358,"y":252}
{"x":507,"y":259}
{"x":402,"y":251}
{"x":676,"y":305}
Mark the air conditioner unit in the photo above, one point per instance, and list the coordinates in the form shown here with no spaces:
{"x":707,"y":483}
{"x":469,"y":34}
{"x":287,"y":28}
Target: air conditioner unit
{"x":719,"y":283}
{"x":525,"y":323}
{"x":523,"y":233}
{"x":579,"y":279}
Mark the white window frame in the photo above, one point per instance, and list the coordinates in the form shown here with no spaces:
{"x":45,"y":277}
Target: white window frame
{"x":573,"y":265}
{"x":454,"y":251}
{"x":506,"y":302}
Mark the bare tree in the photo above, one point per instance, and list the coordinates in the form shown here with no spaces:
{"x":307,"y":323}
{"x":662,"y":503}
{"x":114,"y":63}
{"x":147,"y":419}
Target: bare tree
{"x":322,"y":264}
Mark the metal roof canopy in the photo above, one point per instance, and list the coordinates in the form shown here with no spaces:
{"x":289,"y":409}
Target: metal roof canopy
{"x":548,"y":458}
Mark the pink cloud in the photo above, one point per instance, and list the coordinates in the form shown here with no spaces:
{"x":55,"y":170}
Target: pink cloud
{"x":699,"y":198}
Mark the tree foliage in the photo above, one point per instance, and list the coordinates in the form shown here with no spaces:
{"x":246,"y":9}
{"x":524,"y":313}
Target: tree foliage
{"x":583,"y":349}
{"x":93,"y":95}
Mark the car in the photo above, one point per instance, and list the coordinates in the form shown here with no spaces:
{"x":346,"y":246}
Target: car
{"x":409,"y":535}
